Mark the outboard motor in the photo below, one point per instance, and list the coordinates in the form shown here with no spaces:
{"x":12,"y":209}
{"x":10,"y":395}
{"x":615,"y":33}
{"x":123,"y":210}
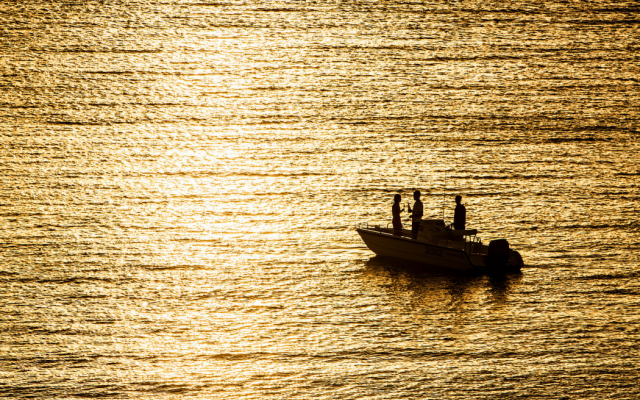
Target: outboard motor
{"x":499,"y":254}
{"x":515,"y":262}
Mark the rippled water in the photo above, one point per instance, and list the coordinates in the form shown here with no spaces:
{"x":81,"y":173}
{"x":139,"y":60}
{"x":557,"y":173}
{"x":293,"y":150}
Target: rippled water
{"x":181,"y":181}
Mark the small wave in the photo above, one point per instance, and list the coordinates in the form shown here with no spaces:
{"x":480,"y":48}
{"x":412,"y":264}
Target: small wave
{"x":172,"y":267}
{"x":621,"y":291}
{"x":271,"y":88}
{"x":616,"y":22}
{"x":231,"y":174}
{"x":576,"y":140}
{"x":294,"y":174}
{"x":632,"y":9}
{"x":513,"y":177}
{"x":610,"y":276}
{"x":79,"y":123}
{"x":27,"y":328}
{"x":277,"y":10}
{"x":211,"y":4}
{"x":111,"y":72}
{"x":107,"y":51}
{"x":630,"y":225}
{"x":66,"y":280}
{"x":89,"y":296}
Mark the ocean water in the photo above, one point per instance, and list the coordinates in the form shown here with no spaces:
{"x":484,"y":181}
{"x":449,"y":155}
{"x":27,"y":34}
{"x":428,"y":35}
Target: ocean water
{"x":181,"y":180}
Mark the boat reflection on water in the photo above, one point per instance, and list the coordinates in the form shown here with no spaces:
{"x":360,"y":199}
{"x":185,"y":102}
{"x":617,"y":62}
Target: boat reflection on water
{"x":434,"y":287}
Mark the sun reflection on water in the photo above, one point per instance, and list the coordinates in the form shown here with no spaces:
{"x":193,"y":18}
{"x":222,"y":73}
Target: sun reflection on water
{"x":181,"y":181}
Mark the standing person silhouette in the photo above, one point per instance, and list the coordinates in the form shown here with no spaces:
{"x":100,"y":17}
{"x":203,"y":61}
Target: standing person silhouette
{"x":416,"y":214}
{"x":395,"y":211}
{"x":460,"y":215}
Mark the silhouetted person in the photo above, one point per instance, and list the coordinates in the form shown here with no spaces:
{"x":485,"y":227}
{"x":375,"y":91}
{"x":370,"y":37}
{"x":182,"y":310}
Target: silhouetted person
{"x":395,"y":211}
{"x":416,"y":214}
{"x":460,"y":216}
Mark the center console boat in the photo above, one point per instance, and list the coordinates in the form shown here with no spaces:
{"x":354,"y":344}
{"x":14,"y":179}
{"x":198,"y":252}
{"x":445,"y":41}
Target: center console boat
{"x":439,"y":245}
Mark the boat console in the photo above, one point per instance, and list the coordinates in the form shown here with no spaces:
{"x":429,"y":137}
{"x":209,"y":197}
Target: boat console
{"x":434,"y":230}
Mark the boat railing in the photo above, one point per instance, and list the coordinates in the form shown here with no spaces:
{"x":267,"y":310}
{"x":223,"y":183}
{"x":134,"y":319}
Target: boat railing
{"x":388,"y":228}
{"x":367,"y":225}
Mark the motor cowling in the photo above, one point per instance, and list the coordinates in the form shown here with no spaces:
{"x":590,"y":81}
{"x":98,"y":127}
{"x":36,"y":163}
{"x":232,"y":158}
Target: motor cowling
{"x":498,"y":256}
{"x":515,"y":262}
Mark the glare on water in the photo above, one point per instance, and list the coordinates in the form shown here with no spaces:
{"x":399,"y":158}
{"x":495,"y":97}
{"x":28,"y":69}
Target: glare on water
{"x":181,"y":181}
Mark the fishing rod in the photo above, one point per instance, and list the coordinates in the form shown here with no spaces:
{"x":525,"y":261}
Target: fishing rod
{"x":444,"y":191}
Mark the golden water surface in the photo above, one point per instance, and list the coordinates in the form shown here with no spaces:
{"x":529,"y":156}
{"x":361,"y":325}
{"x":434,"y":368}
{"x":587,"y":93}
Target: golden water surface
{"x":181,"y":180}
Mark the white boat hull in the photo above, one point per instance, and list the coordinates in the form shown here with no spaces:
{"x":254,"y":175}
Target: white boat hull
{"x":387,"y":245}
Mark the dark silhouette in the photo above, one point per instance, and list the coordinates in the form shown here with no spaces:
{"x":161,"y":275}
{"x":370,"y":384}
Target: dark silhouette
{"x":416,"y":214}
{"x":498,"y":257}
{"x":395,"y":211}
{"x":460,"y":216}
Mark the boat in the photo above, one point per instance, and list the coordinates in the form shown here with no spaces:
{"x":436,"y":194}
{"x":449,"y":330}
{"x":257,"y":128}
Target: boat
{"x":441,"y":246}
